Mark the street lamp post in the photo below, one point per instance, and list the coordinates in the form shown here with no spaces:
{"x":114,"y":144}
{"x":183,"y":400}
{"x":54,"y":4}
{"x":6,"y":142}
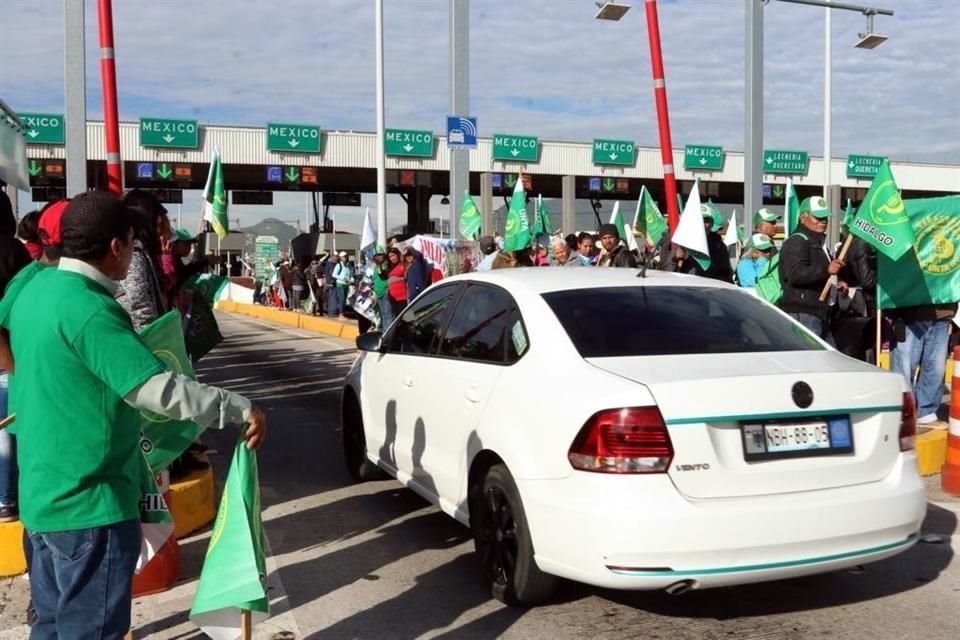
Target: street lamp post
{"x":381,"y":132}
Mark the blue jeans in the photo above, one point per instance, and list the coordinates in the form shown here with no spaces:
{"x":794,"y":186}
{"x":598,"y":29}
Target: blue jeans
{"x":81,"y":581}
{"x":386,"y":312}
{"x":341,"y":298}
{"x":816,"y":325}
{"x":925,"y":347}
{"x":8,"y":454}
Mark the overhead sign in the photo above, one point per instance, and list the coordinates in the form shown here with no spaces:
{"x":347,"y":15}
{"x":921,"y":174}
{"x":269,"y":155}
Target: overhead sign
{"x":510,"y":181}
{"x":516,"y":148}
{"x":332,"y":199}
{"x":51,"y":171}
{"x":461,"y":132}
{"x":251,"y":197}
{"x":409,"y":142}
{"x":162,"y":132}
{"x":42,"y":128}
{"x":618,"y":152}
{"x":47,"y":194}
{"x":863,"y":166}
{"x":295,"y":138}
{"x":785,"y":162}
{"x":699,"y":157}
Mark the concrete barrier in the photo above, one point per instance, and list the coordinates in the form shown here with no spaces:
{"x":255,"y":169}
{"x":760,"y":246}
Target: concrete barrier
{"x":314,"y":324}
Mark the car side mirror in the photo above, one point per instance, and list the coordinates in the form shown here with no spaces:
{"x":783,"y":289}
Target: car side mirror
{"x":370,"y":341}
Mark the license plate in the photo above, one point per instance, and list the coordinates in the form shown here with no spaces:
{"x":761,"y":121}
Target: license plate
{"x":793,"y":439}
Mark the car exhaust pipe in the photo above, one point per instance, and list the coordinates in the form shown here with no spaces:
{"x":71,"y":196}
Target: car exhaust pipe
{"x":680,"y":588}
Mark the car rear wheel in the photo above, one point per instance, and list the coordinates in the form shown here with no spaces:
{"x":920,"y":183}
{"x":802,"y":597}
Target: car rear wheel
{"x":355,"y":445}
{"x":503,"y":542}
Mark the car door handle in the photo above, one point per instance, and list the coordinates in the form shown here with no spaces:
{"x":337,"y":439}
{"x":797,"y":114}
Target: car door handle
{"x":472,"y":395}
{"x":408,"y":381}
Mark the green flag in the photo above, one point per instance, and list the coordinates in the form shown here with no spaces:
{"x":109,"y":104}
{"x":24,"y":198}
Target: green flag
{"x":162,"y":439}
{"x":470,"y":218}
{"x":882,"y":218}
{"x":234,"y":572}
{"x":202,"y":333}
{"x":517,"y":231}
{"x":208,"y":285}
{"x":156,"y":523}
{"x":847,"y":216}
{"x":791,"y":210}
{"x":649,"y":221}
{"x":215,"y":198}
{"x":930,"y":273}
{"x":541,"y":220}
{"x":718,"y":218}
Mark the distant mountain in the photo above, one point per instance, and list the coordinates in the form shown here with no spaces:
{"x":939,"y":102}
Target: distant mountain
{"x":271,"y":227}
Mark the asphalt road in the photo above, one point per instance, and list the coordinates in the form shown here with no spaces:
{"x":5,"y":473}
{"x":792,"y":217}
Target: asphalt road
{"x":375,"y":561}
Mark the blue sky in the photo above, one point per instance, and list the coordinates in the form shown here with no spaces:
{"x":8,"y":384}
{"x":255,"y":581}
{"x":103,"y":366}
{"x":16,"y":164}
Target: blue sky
{"x":541,"y":67}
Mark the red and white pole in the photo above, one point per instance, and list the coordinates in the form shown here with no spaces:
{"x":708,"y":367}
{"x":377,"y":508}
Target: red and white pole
{"x":663,"y":116}
{"x":108,"y":77}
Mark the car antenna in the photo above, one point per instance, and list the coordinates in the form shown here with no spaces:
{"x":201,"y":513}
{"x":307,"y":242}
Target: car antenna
{"x":642,"y":273}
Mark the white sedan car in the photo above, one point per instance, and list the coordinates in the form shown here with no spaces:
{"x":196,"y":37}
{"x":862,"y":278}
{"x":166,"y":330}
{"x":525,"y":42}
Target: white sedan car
{"x":664,"y":432}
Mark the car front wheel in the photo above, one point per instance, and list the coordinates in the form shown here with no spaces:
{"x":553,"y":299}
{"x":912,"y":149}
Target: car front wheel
{"x":503,"y":542}
{"x":355,"y":445}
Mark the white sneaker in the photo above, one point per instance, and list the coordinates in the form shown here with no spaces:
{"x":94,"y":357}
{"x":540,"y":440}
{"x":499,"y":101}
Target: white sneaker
{"x":930,"y":418}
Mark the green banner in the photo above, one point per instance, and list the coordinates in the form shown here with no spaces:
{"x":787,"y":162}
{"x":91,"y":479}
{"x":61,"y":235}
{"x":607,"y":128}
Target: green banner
{"x":234,"y":573}
{"x":517,"y":230}
{"x":163,"y":440}
{"x":929,"y":273}
{"x":208,"y":285}
{"x":202,"y":333}
{"x":470,"y":219}
{"x":882,"y":218}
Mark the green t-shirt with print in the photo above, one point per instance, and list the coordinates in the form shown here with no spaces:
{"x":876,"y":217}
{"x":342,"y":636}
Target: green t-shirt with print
{"x":76,"y":356}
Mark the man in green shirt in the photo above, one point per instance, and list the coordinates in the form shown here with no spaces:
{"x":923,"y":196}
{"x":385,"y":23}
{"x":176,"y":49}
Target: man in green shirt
{"x":381,"y":277}
{"x":82,"y":374}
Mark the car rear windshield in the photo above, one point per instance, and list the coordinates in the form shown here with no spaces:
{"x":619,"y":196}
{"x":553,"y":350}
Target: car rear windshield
{"x":657,"y":321}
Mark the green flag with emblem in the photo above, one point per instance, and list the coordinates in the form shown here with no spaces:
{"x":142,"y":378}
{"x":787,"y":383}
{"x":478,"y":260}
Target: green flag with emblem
{"x":470,"y":219}
{"x":156,"y":523}
{"x":847,"y":216}
{"x":215,"y":198}
{"x":162,"y":439}
{"x":929,"y":273}
{"x":234,"y":572}
{"x":882,"y":218}
{"x":649,"y":220}
{"x":516,"y":236}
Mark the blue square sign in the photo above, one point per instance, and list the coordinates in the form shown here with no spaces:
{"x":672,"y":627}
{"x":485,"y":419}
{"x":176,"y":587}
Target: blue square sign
{"x":496,"y":180}
{"x":461,"y":132}
{"x":145,"y":170}
{"x":274,"y":174}
{"x":594,"y":184}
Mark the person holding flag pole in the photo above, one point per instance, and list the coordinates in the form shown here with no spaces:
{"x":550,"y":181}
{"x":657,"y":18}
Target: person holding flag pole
{"x":65,"y":324}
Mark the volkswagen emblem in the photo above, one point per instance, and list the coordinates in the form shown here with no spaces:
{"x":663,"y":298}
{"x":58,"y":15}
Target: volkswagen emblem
{"x":802,"y":394}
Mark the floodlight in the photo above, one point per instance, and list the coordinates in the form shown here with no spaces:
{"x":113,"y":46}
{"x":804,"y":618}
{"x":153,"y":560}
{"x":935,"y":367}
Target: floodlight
{"x":611,"y":11}
{"x":870,"y":40}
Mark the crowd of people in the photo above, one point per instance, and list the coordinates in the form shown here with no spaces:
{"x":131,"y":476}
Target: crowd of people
{"x":78,"y":279}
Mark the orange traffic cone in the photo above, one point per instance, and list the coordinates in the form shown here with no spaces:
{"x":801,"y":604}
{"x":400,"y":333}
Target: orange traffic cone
{"x":164,"y":568}
{"x":950,"y":474}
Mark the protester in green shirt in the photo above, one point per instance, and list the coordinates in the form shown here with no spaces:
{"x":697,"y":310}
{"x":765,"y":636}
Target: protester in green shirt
{"x":82,"y":374}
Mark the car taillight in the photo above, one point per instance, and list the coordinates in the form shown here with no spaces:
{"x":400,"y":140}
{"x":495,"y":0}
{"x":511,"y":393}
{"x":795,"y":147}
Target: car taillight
{"x":632,"y":440}
{"x":908,"y":423}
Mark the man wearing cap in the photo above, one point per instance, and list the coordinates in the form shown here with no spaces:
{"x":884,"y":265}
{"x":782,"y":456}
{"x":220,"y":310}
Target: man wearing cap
{"x":48,"y":229}
{"x":766,"y":223}
{"x":614,"y":253}
{"x":381,"y":278}
{"x":78,"y":452}
{"x":805,"y":267}
{"x":756,"y":255}
{"x":343,"y":277}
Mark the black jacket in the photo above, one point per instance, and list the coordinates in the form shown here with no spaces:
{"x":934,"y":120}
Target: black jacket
{"x":620,"y":257}
{"x":803,"y":273}
{"x":861,"y":269}
{"x":13,"y":257}
{"x":720,"y":268}
{"x":689,"y":266}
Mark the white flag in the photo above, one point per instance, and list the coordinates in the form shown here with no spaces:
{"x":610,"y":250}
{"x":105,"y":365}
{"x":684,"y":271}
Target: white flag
{"x":731,"y":237}
{"x":690,"y":233}
{"x":369,"y":236}
{"x":626,"y":233}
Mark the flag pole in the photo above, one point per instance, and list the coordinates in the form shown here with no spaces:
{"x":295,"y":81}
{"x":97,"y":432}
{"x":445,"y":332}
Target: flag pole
{"x":6,"y":422}
{"x":832,"y":279}
{"x":246,"y":625}
{"x":879,"y":327}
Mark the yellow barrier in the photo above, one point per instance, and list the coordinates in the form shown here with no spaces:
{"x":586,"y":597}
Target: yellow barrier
{"x":931,"y":451}
{"x":192,"y":502}
{"x":12,"y":560}
{"x":314,"y":324}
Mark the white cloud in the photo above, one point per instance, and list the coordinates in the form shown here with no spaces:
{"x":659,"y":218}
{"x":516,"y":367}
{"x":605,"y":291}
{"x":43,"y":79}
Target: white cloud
{"x":542,"y":67}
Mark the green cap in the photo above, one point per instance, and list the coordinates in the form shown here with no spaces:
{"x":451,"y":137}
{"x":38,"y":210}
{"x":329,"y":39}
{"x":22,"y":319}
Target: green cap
{"x":765,"y":215}
{"x":816,"y":206}
{"x":707,"y":212}
{"x":182,"y":235}
{"x":760,"y":242}
{"x":380,"y":251}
